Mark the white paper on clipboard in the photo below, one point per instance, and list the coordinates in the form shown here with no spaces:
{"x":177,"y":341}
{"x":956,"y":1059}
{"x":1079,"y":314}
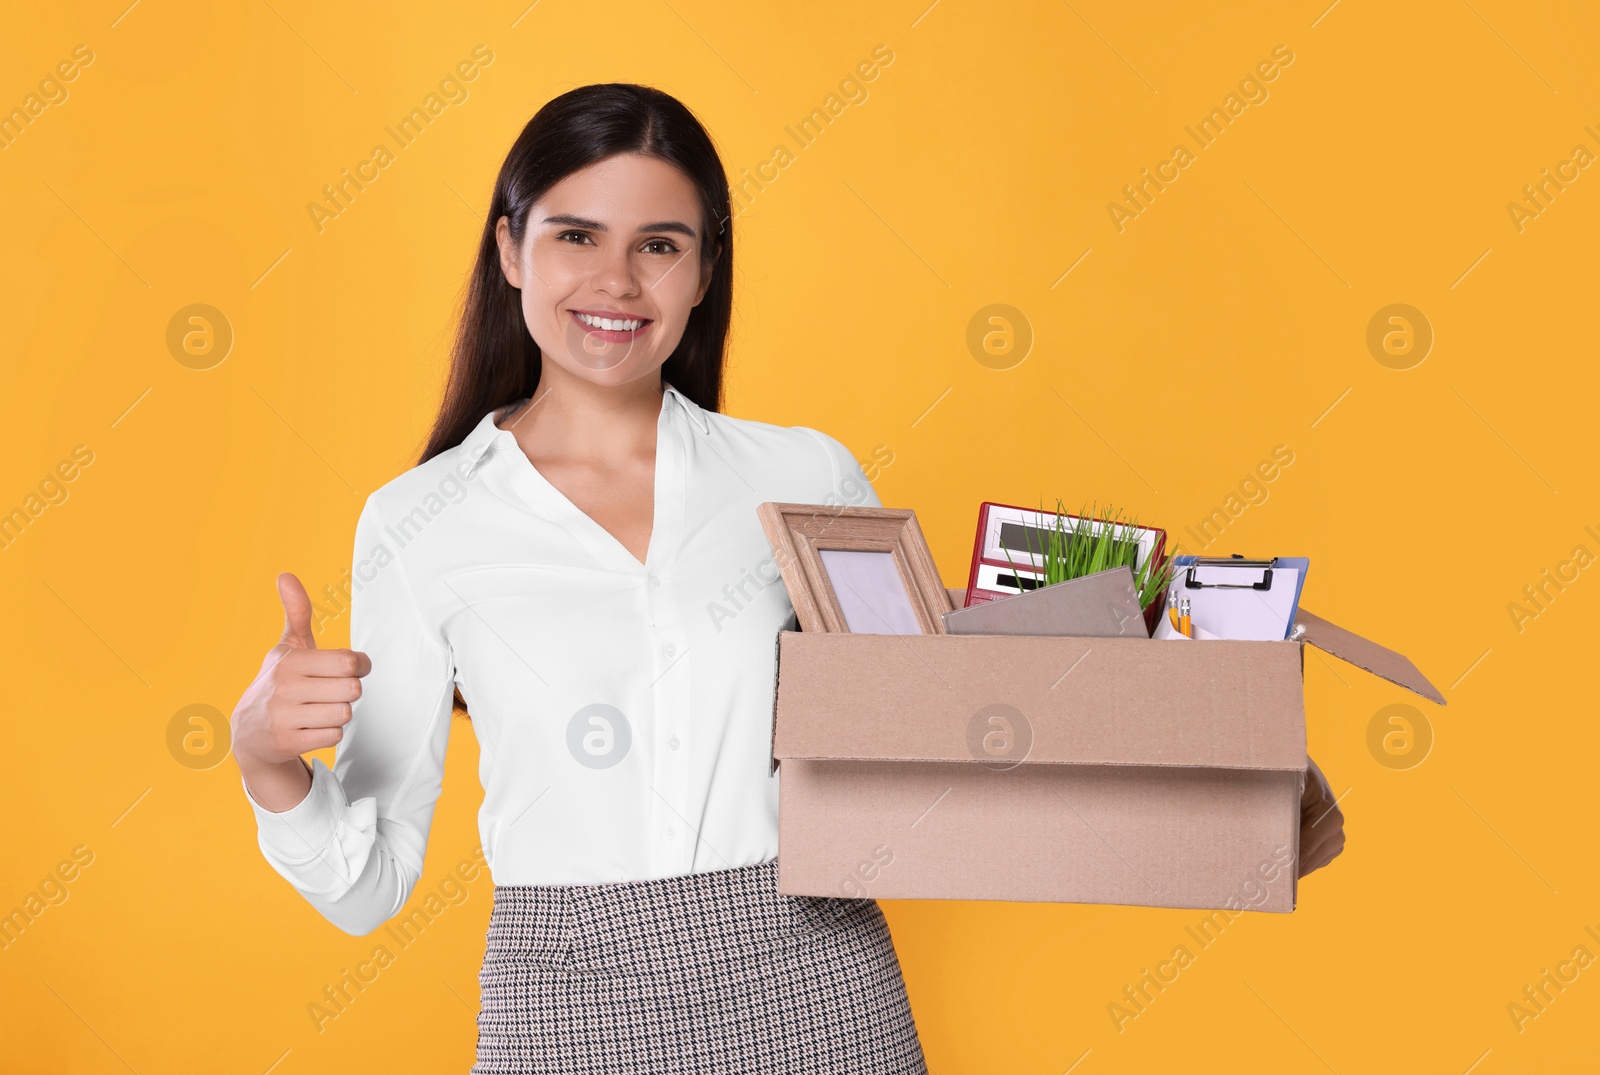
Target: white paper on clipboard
{"x":1241,"y":612}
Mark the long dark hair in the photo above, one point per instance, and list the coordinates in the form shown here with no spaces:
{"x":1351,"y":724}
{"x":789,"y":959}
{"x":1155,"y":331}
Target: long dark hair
{"x":494,"y":360}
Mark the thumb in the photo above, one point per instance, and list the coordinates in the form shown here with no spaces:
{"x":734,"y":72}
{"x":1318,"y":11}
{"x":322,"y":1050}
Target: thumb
{"x":296,"y":613}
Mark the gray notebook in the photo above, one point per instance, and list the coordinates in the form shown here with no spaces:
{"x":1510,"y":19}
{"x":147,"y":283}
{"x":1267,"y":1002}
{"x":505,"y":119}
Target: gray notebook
{"x":1102,"y":605}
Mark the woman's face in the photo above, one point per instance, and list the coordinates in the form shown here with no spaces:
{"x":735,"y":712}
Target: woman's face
{"x":609,"y":267}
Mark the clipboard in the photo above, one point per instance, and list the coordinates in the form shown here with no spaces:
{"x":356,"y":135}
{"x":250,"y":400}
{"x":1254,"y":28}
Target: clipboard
{"x":1234,"y":597}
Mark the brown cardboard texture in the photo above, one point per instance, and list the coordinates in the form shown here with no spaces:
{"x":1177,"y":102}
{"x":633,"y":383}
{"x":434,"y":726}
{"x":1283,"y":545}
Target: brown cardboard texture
{"x":1047,"y":768}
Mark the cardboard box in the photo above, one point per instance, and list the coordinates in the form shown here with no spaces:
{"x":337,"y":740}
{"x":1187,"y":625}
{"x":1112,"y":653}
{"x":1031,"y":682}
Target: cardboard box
{"x":1049,"y":768}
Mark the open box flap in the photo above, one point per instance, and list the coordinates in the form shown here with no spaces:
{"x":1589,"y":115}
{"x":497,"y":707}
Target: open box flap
{"x":1363,"y":653}
{"x":1061,"y":699}
{"x":1345,"y":645}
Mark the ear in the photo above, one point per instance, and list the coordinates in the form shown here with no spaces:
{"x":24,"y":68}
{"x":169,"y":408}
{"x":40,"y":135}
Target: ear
{"x":706,"y":271}
{"x":510,"y":267}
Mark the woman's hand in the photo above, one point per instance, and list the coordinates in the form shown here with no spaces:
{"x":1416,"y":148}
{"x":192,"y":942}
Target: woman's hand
{"x":299,"y":701}
{"x":1321,"y":822}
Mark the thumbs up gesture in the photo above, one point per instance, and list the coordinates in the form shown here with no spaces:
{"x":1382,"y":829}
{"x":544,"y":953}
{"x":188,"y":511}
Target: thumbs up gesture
{"x":298,"y":702}
{"x":296,"y":613}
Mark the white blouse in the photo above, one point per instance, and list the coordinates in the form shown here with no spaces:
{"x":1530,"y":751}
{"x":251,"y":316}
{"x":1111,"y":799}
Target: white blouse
{"x":623,"y":710}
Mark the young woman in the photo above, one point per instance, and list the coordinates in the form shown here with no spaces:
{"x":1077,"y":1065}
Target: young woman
{"x":577,"y":560}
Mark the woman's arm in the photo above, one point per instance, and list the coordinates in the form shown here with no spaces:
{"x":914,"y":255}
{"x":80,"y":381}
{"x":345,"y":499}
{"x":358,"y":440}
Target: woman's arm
{"x":848,"y":484}
{"x":354,"y":845}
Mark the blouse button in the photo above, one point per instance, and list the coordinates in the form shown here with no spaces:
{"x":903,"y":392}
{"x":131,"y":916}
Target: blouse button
{"x":671,"y":832}
{"x":655,"y":580}
{"x":670,"y":650}
{"x":673,"y":742}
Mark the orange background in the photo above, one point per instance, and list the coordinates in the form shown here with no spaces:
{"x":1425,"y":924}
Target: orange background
{"x":1167,"y":358}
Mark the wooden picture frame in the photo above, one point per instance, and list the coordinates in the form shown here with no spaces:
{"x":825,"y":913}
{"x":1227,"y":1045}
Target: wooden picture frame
{"x":857,"y":569}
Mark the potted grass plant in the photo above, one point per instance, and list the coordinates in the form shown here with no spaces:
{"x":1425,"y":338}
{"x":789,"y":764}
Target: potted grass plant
{"x":1098,"y":542}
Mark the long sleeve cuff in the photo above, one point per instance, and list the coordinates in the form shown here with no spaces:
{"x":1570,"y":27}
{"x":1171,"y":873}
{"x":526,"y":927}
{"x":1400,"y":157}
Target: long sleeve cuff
{"x":320,"y":844}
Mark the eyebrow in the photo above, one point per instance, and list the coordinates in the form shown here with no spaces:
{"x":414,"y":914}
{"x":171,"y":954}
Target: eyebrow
{"x":595,"y":225}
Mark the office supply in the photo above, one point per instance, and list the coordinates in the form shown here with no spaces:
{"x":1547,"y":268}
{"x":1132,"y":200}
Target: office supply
{"x":1235,"y":597}
{"x":1102,"y":605}
{"x":1301,"y":564}
{"x":1185,"y":624}
{"x":1008,"y":552}
{"x":1169,"y":632}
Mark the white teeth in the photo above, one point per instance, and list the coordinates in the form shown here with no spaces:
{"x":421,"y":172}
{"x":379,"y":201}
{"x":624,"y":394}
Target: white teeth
{"x":608,"y":324}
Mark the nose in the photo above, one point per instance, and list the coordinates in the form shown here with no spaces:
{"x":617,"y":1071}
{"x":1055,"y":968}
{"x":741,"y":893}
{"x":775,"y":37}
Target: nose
{"x":615,"y":272}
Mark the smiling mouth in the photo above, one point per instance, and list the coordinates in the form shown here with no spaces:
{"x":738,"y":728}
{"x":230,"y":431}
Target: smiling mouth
{"x":621,"y":325}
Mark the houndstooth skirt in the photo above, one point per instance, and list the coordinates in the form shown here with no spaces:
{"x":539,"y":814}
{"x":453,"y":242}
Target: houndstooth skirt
{"x":704,"y":973}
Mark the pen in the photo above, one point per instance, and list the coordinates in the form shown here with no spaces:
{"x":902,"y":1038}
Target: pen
{"x":1184,"y":623}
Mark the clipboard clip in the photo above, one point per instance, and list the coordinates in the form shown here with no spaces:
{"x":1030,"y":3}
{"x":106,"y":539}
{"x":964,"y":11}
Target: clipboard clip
{"x":1236,"y":560}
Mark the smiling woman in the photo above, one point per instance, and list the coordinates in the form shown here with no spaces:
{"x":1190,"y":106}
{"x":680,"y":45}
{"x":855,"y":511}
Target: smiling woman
{"x":629,"y":815}
{"x":644,"y":298}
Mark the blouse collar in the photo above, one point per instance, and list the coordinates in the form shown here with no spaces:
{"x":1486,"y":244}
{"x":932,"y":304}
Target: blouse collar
{"x":486,"y":434}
